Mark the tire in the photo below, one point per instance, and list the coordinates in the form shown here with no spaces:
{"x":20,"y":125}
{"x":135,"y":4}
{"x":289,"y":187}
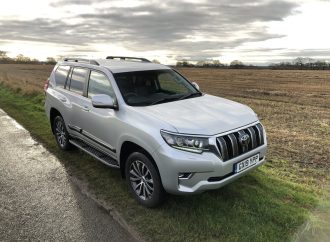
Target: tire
{"x":143,"y":180}
{"x":61,"y":134}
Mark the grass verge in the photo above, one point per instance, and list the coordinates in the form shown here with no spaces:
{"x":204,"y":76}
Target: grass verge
{"x":262,"y":206}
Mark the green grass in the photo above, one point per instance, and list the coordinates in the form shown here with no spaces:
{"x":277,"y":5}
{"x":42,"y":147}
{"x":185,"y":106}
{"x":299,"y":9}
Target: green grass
{"x":265,"y":205}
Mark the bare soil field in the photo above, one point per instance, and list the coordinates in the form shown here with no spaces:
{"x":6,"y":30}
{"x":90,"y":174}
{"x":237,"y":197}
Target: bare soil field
{"x":293,"y":105}
{"x":26,"y":78}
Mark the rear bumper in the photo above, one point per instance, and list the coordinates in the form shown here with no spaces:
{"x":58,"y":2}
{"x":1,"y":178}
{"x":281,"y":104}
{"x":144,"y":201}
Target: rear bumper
{"x":208,"y":170}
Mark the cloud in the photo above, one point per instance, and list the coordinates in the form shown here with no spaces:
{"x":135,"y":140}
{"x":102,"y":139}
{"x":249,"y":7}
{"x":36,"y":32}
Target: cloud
{"x":61,"y":3}
{"x":307,"y":53}
{"x":196,"y":30}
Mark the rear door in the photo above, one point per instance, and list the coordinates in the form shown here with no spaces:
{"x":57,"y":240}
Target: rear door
{"x":76,"y":86}
{"x":58,"y":95}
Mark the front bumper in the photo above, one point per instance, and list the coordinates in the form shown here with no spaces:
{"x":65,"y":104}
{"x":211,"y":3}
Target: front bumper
{"x":208,"y":170}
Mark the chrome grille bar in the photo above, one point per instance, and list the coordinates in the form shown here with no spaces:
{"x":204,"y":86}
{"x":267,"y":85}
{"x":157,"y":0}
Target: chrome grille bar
{"x":223,"y":148}
{"x":253,"y":137}
{"x":260,"y":134}
{"x":234,"y":145}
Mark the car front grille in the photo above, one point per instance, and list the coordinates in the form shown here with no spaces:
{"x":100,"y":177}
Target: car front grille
{"x":239,"y":142}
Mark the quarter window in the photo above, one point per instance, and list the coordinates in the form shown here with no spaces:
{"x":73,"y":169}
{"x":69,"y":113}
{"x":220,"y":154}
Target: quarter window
{"x":61,"y":75}
{"x":78,"y":79}
{"x":99,"y":84}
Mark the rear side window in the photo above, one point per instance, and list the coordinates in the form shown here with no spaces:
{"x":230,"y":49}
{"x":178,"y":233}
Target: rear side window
{"x":61,"y":74}
{"x":99,"y":84}
{"x":78,"y":79}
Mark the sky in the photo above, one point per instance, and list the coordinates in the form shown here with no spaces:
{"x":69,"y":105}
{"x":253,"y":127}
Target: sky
{"x":255,"y":32}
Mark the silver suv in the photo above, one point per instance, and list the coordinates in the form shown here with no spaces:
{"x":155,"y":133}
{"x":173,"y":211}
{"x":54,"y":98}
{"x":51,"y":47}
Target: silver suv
{"x":153,"y":124}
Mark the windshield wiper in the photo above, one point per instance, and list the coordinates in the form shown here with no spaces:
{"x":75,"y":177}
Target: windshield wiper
{"x":165,"y":99}
{"x":189,"y":95}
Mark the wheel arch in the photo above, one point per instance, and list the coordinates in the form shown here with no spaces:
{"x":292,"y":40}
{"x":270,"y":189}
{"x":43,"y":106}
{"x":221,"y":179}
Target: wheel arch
{"x":53,"y":114}
{"x":127,"y":148}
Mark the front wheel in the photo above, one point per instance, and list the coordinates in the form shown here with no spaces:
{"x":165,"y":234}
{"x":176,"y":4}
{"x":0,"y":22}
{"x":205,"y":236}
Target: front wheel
{"x":61,"y":134}
{"x":143,"y":180}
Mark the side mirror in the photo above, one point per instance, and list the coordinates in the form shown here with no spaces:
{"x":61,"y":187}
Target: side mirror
{"x":195,"y":85}
{"x":104,"y":101}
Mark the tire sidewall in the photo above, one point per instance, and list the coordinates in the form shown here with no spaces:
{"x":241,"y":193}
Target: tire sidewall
{"x":158,"y":193}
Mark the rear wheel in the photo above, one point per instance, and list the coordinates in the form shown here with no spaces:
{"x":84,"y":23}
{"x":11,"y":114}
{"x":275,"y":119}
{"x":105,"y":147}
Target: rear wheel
{"x":61,"y":134}
{"x":143,"y":180}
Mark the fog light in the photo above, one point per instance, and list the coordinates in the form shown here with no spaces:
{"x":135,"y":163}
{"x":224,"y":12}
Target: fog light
{"x":185,"y":175}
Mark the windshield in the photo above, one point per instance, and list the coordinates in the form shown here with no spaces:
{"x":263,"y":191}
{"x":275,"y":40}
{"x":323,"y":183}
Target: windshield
{"x":143,"y":88}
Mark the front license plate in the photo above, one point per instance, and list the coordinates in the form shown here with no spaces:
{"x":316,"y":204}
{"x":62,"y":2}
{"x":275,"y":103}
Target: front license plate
{"x":242,"y":165}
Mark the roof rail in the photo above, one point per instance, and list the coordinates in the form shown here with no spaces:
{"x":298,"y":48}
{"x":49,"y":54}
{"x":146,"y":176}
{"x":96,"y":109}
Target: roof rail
{"x":93,"y":62}
{"x":127,"y":58}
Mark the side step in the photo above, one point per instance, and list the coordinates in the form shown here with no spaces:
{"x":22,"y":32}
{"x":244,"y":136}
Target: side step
{"x":106,"y":159}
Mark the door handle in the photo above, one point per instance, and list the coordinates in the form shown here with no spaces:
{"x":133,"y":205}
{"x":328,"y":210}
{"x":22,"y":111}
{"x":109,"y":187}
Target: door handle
{"x":85,"y":108}
{"x":63,"y":99}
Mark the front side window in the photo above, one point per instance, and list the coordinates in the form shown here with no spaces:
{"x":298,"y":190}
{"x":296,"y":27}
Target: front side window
{"x":99,"y":84}
{"x":78,"y":79}
{"x":166,"y":83}
{"x":143,"y":88}
{"x":61,"y":75}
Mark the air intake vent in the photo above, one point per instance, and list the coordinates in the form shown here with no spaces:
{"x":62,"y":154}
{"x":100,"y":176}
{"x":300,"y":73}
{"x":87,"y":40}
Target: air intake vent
{"x":240,"y":142}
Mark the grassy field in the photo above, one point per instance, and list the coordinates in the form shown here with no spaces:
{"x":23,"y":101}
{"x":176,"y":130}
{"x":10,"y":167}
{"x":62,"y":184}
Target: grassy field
{"x":286,"y":199}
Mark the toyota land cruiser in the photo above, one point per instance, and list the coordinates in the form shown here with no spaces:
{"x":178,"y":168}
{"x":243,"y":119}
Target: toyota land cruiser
{"x":153,"y":124}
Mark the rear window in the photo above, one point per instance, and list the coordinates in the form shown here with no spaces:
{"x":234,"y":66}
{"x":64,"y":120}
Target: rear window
{"x":61,"y":75}
{"x":78,"y":79}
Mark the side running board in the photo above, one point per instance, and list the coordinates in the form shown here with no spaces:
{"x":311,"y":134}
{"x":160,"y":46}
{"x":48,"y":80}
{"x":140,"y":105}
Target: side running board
{"x":104,"y":158}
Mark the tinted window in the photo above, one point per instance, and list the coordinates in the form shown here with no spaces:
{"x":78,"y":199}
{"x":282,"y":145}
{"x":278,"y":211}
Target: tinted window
{"x":99,"y":84}
{"x":61,"y":74}
{"x":78,"y":79}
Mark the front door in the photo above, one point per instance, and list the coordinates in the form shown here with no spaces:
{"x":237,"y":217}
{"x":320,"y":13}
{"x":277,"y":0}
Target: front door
{"x":98,"y":124}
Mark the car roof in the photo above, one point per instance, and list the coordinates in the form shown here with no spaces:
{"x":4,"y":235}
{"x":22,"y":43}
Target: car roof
{"x":119,"y":66}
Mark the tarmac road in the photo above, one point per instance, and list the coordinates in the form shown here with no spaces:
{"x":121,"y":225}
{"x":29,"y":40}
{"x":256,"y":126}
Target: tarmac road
{"x":37,"y":199}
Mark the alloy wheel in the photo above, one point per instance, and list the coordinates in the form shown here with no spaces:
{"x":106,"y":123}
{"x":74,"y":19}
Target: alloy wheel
{"x":141,"y":180}
{"x":60,"y":133}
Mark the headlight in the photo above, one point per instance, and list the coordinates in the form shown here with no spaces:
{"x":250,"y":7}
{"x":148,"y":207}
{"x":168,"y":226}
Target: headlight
{"x":187,"y":143}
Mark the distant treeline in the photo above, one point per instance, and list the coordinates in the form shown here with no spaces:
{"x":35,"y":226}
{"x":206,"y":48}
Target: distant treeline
{"x":299,"y":63}
{"x":21,"y":59}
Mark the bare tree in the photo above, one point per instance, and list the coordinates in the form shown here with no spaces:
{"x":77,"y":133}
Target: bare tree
{"x":216,"y":63}
{"x":184,"y":63}
{"x":200,"y":63}
{"x":3,"y":57}
{"x":236,"y":64}
{"x":3,"y":54}
{"x":51,"y":60}
{"x":22,"y":58}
